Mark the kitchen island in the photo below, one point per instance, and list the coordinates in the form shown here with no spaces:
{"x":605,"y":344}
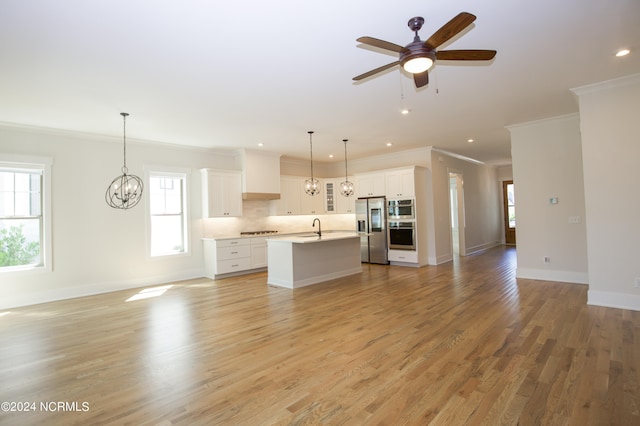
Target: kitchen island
{"x":300,"y":260}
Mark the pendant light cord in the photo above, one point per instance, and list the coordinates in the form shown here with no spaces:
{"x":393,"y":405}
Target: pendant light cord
{"x":346,"y":174}
{"x":311,"y":151}
{"x":124,"y":132}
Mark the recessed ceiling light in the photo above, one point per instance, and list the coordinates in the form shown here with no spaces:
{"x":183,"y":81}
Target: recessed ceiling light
{"x":330,"y":155}
{"x":623,"y":52}
{"x":470,"y":140}
{"x":260,"y":144}
{"x":405,"y":111}
{"x":389,"y":144}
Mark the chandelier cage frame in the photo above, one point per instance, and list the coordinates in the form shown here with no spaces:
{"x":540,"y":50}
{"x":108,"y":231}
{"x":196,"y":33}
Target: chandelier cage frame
{"x":346,"y":187}
{"x":125,"y":191}
{"x":311,"y":185}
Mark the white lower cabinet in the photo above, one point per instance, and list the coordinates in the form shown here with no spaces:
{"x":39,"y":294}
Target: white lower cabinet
{"x":258,"y":252}
{"x":233,"y":256}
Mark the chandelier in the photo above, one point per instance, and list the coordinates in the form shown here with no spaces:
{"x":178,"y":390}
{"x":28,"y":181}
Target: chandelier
{"x":311,"y":186}
{"x":125,"y":191}
{"x":346,"y":187}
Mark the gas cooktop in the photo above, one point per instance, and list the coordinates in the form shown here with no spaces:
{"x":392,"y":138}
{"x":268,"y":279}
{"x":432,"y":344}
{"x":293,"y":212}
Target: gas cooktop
{"x":250,"y":233}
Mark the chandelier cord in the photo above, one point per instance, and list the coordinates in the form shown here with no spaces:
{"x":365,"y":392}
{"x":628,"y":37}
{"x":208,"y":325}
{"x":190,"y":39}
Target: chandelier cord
{"x":346,"y":174}
{"x":124,"y":132}
{"x":311,"y":152}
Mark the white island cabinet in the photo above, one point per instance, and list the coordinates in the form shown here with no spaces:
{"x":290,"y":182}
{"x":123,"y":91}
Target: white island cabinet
{"x":301,"y":260}
{"x":225,"y":257}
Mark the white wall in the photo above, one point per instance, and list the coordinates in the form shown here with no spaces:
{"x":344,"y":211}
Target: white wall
{"x":547,"y":163}
{"x":97,"y":248}
{"x":610,"y":125}
{"x":481,"y":223}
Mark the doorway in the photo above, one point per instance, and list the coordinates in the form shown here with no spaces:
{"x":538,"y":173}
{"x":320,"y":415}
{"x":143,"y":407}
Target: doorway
{"x":456,"y":209}
{"x":509,"y":202}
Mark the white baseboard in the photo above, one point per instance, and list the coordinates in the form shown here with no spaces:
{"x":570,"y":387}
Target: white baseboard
{"x":481,"y":247}
{"x":444,"y":258}
{"x":613,"y":300}
{"x":278,"y":282}
{"x":553,"y":275}
{"x":93,"y":289}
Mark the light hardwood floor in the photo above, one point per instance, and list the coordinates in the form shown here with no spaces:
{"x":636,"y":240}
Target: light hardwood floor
{"x":463,"y":343}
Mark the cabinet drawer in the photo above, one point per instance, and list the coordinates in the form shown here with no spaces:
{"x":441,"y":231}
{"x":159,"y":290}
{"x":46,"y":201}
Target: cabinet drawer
{"x":408,"y":256}
{"x":233,"y":243}
{"x":235,"y":252}
{"x":233,"y":265}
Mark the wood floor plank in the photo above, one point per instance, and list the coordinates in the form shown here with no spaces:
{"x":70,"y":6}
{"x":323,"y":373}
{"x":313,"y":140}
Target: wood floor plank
{"x":464,"y":343}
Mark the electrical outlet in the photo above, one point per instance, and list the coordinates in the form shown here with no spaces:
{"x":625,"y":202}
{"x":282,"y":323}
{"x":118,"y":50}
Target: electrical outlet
{"x":546,"y":259}
{"x":637,"y":282}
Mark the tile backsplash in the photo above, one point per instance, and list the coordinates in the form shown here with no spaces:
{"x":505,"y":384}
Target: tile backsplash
{"x":255,"y":217}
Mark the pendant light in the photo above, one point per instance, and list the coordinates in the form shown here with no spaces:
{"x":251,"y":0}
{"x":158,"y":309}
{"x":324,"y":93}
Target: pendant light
{"x":346,"y":187}
{"x":125,"y":191}
{"x":311,"y":186}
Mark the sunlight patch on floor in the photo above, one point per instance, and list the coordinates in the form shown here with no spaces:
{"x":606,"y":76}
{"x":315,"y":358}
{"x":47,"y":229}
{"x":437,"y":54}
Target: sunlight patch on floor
{"x":149,"y":292}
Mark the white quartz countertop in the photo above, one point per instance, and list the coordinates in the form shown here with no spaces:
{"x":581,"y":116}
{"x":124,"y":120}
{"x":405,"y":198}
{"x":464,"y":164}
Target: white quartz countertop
{"x":313,"y":238}
{"x":288,"y":236}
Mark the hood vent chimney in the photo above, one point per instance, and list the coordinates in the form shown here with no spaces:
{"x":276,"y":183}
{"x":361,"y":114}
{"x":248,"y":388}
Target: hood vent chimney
{"x":260,"y":175}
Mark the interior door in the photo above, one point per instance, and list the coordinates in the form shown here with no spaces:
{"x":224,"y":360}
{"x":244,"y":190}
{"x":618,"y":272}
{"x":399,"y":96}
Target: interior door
{"x":509,"y":199}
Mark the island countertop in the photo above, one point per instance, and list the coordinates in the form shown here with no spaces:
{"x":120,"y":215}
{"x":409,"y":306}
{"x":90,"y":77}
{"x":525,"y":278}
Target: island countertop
{"x":312,"y":237}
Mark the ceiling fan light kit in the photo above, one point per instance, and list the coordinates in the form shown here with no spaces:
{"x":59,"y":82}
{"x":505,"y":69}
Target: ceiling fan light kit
{"x":419,"y":56}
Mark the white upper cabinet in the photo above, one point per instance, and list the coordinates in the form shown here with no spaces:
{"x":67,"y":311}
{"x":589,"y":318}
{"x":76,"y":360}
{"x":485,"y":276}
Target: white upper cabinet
{"x":290,"y":196}
{"x":221,"y":193}
{"x":312,"y":204}
{"x":330,"y":197}
{"x":370,"y":185}
{"x":400,"y":183}
{"x":344,"y":204}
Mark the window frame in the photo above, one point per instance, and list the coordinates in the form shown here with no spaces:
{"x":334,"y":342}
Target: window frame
{"x":43,"y":165}
{"x":169,"y":172}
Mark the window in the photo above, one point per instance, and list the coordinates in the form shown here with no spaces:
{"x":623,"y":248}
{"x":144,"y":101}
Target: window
{"x":23,"y":215}
{"x":167,"y":213}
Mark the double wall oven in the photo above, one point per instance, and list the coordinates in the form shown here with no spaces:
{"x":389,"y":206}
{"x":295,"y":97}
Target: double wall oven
{"x":402,"y":224}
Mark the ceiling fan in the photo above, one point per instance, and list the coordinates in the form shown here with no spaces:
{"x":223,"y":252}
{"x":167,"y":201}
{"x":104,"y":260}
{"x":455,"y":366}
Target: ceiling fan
{"x":418,"y":56}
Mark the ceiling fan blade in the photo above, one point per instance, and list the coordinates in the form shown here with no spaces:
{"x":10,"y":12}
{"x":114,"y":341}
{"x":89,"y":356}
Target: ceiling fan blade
{"x":381,"y":44}
{"x":465,"y":55}
{"x":450,"y":29}
{"x":375,"y":71}
{"x":421,"y":79}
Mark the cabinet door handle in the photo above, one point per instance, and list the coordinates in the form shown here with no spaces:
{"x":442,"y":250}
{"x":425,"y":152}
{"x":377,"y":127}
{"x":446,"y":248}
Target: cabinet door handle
{"x":234,"y":252}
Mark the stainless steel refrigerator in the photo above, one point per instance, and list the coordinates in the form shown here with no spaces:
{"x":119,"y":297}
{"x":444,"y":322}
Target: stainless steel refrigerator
{"x":371,"y":224}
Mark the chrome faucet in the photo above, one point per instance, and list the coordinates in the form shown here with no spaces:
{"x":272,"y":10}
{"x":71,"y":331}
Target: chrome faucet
{"x":319,"y":227}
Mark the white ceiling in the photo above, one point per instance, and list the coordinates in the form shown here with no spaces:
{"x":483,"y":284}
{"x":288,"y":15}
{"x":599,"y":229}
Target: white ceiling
{"x":235,"y":73}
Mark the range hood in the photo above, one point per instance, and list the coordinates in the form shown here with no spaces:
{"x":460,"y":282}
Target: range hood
{"x":260,"y":175}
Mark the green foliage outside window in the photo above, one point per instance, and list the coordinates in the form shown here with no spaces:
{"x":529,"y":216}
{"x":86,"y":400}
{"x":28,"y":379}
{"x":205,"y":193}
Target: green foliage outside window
{"x":14,"y":248}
